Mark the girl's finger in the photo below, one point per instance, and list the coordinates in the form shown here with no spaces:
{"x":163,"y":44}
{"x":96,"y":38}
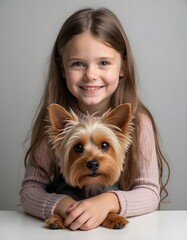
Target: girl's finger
{"x":80,"y":221}
{"x":73,"y":215}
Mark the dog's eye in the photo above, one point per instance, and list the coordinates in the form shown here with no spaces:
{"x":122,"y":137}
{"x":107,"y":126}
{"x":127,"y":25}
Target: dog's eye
{"x":79,"y":148}
{"x":104,"y":146}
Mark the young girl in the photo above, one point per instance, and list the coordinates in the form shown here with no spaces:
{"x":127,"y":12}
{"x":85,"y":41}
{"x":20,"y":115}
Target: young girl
{"x":92,"y":70}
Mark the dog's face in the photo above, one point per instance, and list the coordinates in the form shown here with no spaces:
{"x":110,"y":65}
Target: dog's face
{"x":92,"y":151}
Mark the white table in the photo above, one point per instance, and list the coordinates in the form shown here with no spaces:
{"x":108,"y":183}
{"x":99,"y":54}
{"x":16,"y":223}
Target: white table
{"x":166,"y":225}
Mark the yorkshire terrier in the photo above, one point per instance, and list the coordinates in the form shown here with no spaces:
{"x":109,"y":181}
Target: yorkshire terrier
{"x":90,"y":154}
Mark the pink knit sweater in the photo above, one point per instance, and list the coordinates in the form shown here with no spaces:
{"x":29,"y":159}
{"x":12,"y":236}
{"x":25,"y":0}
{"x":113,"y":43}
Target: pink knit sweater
{"x":143,"y":198}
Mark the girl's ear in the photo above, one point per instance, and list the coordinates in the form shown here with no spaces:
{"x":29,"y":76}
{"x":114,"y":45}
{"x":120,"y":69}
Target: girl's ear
{"x":122,"y":73}
{"x":61,"y":67}
{"x":122,"y":70}
{"x":63,"y":73}
{"x":62,"y":70}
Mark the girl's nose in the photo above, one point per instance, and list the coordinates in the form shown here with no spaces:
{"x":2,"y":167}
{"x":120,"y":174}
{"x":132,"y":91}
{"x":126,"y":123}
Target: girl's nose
{"x":90,"y":73}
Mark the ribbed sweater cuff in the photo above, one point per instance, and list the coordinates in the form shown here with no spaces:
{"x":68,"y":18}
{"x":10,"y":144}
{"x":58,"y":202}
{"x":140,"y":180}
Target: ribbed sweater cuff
{"x":51,"y":203}
{"x":122,"y":202}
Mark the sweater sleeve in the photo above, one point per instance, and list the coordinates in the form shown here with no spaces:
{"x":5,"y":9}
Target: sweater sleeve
{"x":34,"y":198}
{"x":145,"y":195}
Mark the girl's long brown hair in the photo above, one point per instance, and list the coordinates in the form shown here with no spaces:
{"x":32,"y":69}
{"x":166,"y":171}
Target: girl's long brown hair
{"x":103,"y":24}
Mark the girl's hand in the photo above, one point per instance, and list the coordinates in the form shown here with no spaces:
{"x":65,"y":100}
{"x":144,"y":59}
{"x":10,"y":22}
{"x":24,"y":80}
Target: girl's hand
{"x":90,"y":213}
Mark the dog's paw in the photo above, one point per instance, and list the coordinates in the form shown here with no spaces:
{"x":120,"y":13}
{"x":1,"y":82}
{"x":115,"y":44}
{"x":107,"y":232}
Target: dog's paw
{"x":55,"y":222}
{"x":114,"y":221}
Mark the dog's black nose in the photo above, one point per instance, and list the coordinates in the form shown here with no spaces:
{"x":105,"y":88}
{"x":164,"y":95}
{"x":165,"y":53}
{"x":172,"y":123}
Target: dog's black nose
{"x":93,"y":165}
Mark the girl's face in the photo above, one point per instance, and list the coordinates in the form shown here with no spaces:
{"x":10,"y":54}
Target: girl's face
{"x":92,"y":70}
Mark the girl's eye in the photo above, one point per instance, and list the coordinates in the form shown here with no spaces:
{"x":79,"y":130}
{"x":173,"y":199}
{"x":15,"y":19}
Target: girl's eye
{"x":79,"y":148}
{"x":104,"y":63}
{"x":78,"y":64}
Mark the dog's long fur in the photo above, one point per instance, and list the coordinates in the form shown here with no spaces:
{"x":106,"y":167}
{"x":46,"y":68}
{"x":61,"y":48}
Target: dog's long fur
{"x":90,"y":154}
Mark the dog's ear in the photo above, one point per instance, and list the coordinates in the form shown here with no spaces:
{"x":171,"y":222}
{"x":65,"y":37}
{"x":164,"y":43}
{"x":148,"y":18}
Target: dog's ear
{"x":59,"y":116}
{"x":120,"y":116}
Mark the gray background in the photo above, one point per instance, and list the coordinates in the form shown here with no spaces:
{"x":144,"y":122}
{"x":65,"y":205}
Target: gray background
{"x":157,"y":30}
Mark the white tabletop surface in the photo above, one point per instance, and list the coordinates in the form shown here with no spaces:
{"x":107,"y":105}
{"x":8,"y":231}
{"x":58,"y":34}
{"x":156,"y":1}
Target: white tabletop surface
{"x":166,"y":225}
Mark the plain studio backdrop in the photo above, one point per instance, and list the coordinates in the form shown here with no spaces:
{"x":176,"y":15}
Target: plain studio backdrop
{"x":157,"y":30}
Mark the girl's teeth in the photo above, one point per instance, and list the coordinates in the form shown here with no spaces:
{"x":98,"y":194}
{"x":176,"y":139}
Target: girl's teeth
{"x":91,"y":88}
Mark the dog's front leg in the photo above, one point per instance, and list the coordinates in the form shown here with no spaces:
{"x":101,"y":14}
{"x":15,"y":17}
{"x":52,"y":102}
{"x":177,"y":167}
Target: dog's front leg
{"x":55,"y":222}
{"x":114,"y":221}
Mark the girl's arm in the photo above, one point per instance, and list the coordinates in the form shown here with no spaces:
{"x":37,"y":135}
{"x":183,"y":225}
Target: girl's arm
{"x":34,"y":198}
{"x":145,"y":195}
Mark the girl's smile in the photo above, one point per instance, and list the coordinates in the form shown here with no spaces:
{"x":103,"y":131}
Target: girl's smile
{"x":92,"y":70}
{"x":90,"y":88}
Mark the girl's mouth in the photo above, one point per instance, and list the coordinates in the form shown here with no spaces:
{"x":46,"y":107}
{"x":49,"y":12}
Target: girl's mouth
{"x":90,"y":88}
